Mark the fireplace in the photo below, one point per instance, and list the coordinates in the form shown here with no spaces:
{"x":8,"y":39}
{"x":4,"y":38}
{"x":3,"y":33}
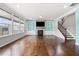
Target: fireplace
{"x":40,"y":32}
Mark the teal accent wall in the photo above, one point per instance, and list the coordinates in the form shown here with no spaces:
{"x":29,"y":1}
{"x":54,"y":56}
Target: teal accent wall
{"x":49,"y":25}
{"x":31,"y":25}
{"x":77,"y":25}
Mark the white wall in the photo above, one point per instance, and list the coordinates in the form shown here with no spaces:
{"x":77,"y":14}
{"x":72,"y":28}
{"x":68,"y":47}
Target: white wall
{"x":56,"y":31}
{"x":31,"y":32}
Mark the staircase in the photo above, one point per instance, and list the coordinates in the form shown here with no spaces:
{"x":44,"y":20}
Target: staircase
{"x":65,"y":32}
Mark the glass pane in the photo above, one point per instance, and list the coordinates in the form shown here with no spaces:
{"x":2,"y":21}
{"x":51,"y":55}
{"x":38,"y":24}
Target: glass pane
{"x":16,"y":28}
{"x":31,"y":25}
{"x":49,"y":25}
{"x":5,"y":26}
{"x":77,"y":26}
{"x":22,"y":28}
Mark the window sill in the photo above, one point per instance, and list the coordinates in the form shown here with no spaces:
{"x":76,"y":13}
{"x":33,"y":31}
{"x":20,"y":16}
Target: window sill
{"x":10,"y":34}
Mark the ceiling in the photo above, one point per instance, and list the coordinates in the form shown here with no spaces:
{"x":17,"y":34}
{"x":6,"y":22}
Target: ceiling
{"x":36,"y":10}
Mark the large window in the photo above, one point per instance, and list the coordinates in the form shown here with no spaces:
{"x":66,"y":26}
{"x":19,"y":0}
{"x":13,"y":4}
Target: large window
{"x":9,"y":24}
{"x":9,"y":27}
{"x":31,"y":25}
{"x":16,"y":27}
{"x":77,"y":26}
{"x":49,"y":25}
{"x":5,"y":26}
{"x":22,"y":27}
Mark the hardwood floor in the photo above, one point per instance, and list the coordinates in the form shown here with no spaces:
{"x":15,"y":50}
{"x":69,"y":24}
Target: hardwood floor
{"x":40,"y":46}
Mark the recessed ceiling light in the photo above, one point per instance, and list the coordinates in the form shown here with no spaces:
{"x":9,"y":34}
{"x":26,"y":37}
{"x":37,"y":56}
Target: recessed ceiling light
{"x":66,"y":6}
{"x":17,"y":6}
{"x":40,"y":16}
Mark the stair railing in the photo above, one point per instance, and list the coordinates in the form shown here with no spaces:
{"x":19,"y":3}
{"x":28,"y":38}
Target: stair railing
{"x":63,"y":30}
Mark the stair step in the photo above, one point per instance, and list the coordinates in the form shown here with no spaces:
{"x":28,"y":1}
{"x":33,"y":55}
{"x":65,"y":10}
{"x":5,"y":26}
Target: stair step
{"x":71,"y":38}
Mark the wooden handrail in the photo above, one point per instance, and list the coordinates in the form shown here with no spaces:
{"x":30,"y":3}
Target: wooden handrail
{"x":61,"y":25}
{"x":63,"y":30}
